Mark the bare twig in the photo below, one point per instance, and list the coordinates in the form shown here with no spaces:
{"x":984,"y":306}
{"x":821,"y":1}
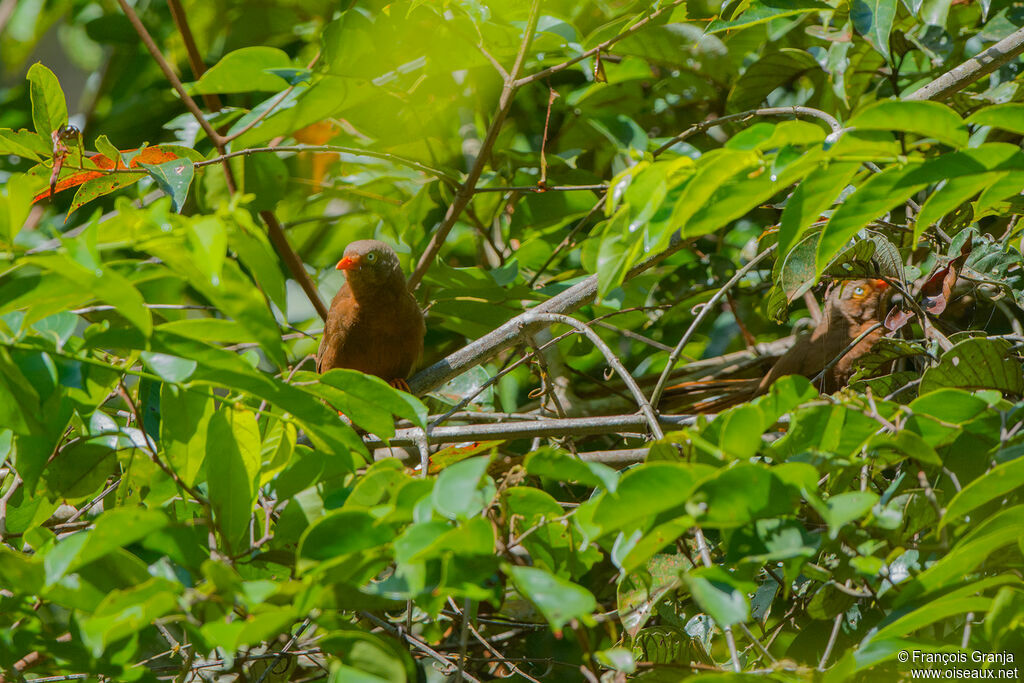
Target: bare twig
{"x":614,"y":362}
{"x":602,"y":47}
{"x":744,"y":115}
{"x":703,"y":313}
{"x":336,"y":149}
{"x":287,"y":646}
{"x":849,"y":347}
{"x":831,"y":641}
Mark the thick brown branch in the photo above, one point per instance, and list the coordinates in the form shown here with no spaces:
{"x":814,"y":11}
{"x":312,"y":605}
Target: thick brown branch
{"x":972,"y":70}
{"x":292,"y":260}
{"x":570,"y":426}
{"x":195,"y":60}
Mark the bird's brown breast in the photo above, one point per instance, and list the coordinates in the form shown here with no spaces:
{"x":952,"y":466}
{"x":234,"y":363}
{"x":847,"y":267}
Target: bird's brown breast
{"x":382,"y":335}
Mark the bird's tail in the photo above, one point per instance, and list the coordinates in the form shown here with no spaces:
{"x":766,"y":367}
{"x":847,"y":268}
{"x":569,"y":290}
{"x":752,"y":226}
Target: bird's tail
{"x":708,"y":396}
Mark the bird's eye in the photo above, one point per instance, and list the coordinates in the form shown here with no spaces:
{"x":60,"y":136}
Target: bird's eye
{"x":859,"y":292}
{"x":371,"y":257}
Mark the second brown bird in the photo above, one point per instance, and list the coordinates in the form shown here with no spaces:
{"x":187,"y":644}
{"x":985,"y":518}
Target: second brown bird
{"x":851,"y":308}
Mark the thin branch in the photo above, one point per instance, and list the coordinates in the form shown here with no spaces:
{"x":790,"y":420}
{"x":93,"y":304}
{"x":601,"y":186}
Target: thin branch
{"x":704,"y":312}
{"x":973,"y":69}
{"x":614,"y":362}
{"x":465,"y":191}
{"x":834,"y":124}
{"x":601,"y":47}
{"x":165,"y":67}
{"x":849,"y":347}
{"x":281,"y":653}
{"x":831,"y":641}
{"x":539,"y":189}
{"x":339,"y":149}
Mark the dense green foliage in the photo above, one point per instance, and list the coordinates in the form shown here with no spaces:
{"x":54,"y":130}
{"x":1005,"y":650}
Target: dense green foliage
{"x":180,"y":500}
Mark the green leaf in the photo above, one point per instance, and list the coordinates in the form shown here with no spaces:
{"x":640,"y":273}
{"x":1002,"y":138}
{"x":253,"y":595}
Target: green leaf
{"x":927,"y":119}
{"x":80,"y":469}
{"x":997,"y":482}
{"x":771,"y":71}
{"x":368,"y":658}
{"x":713,"y":589}
{"x":173,"y":177}
{"x":49,"y":109}
{"x":114,"y":529}
{"x":102,"y":186}
{"x":25,"y":144}
{"x":977,"y":363}
{"x":645,"y":491}
{"x":15,"y":204}
{"x":557,"y":599}
{"x":621,"y":247}
{"x":740,"y":494}
{"x":370,"y":401}
{"x":343,"y":532}
{"x":741,"y":427}
{"x":184,"y":424}
{"x":873,"y":19}
{"x":461,"y":490}
{"x":103,"y":283}
{"x":557,"y":464}
{"x":222,"y":281}
{"x":169,"y":368}
{"x":951,"y":195}
{"x":761,"y":11}
{"x":1008,"y":116}
{"x":930,"y":613}
{"x":907,"y":443}
{"x":243,"y":70}
{"x":232,"y":469}
{"x":713,"y":170}
{"x":258,"y":256}
{"x":816,"y":193}
{"x":847,"y":507}
{"x":126,"y":612}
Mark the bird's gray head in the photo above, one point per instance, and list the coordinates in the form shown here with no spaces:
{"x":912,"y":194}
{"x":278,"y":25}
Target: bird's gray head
{"x":369,"y":263}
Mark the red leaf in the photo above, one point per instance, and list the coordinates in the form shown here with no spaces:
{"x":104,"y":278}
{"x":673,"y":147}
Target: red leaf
{"x":149,"y":155}
{"x":935,"y":292}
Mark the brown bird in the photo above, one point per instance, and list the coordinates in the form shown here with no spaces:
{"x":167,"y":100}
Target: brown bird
{"x":374,"y":324}
{"x":851,"y":308}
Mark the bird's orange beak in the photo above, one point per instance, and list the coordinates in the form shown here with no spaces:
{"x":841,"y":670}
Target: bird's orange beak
{"x":347,"y":263}
{"x":879,"y":284}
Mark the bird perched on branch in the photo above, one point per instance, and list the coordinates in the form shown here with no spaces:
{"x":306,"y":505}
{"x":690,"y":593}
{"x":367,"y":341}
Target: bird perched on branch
{"x":374,"y":324}
{"x":851,"y":308}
